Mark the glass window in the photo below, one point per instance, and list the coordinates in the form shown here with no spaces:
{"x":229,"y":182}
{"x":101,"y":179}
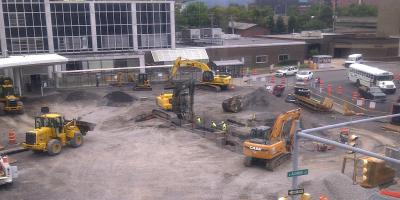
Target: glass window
{"x":283,"y":57}
{"x":261,"y":59}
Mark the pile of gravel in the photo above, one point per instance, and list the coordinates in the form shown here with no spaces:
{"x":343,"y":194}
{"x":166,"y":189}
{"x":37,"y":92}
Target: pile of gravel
{"x":118,"y":98}
{"x":80,"y":96}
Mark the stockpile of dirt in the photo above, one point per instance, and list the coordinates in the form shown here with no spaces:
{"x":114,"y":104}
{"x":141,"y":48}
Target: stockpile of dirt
{"x":80,"y":96}
{"x":253,"y":100}
{"x":118,"y":98}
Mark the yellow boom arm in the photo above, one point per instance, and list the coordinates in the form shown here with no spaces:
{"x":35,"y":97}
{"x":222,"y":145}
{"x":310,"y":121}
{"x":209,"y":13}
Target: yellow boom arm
{"x":280,"y":121}
{"x":179,"y":62}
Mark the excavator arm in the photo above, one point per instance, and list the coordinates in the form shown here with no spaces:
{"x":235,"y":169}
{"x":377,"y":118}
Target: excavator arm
{"x":179,"y":62}
{"x":280,"y":121}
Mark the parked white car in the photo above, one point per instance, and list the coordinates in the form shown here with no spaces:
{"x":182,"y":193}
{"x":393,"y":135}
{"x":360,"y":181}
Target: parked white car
{"x":304,"y":75}
{"x":287,"y":71}
{"x":7,"y":172}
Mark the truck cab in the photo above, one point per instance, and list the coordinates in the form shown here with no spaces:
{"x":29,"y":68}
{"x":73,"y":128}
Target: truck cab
{"x":373,"y":93}
{"x":353,"y":58}
{"x":7,"y":172}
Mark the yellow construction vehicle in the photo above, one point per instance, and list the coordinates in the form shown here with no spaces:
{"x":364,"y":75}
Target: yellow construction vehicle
{"x":209,"y":80}
{"x":274,"y":146}
{"x":142,"y":83}
{"x":164,"y":100}
{"x":9,"y":102}
{"x":52,"y":132}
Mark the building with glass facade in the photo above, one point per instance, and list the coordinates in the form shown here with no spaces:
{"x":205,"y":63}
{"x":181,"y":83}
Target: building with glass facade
{"x":92,"y":34}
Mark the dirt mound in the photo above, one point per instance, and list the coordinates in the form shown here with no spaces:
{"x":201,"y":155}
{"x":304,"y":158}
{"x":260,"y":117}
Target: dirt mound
{"x":80,"y":96}
{"x":118,"y":98}
{"x":255,"y":99}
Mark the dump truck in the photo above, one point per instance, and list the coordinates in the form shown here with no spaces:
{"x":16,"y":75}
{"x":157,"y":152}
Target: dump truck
{"x":52,"y":132}
{"x":9,"y":101}
{"x":7,"y":172}
{"x":303,"y":98}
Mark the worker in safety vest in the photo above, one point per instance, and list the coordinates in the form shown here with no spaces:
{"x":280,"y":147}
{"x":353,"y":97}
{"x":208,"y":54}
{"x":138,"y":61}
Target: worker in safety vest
{"x":213,"y":124}
{"x":223,"y":126}
{"x":198,"y":121}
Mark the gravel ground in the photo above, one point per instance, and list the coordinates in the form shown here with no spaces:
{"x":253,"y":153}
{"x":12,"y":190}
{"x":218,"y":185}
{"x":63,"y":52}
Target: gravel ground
{"x":122,"y":159}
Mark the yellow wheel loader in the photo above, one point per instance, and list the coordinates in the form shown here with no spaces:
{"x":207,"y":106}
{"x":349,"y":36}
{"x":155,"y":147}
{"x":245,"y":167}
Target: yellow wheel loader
{"x":9,"y":102}
{"x":52,"y":132}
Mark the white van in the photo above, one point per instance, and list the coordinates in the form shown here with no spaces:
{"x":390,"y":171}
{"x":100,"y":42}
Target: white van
{"x":353,"y":58}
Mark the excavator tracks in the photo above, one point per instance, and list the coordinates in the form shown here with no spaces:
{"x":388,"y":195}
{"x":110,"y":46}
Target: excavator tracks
{"x":161,"y":114}
{"x":277,"y":161}
{"x":209,"y":87}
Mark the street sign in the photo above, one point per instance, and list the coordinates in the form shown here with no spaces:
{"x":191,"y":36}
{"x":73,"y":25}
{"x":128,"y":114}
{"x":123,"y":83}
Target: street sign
{"x":295,"y":192}
{"x":300,"y":172}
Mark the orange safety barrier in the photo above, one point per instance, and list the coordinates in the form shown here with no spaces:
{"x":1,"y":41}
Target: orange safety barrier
{"x":398,"y":77}
{"x":323,"y":197}
{"x":272,"y":80}
{"x":339,"y":90}
{"x":390,"y":193}
{"x":354,"y":96}
{"x":329,"y":89}
{"x":254,"y":71}
{"x":12,"y":136}
{"x":321,"y":83}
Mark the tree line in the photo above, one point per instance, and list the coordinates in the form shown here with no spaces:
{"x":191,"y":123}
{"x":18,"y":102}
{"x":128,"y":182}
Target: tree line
{"x":316,"y":17}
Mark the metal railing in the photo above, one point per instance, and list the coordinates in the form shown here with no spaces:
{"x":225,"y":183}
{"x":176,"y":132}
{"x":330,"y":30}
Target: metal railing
{"x":306,"y":134}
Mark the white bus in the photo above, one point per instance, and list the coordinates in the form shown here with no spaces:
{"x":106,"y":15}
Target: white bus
{"x":371,"y":76}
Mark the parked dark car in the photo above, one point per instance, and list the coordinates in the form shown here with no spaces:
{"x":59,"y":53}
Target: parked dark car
{"x":372,"y":93}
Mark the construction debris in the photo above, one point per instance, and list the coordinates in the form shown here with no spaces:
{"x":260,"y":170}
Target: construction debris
{"x":80,"y":96}
{"x":118,"y":98}
{"x":256,"y":98}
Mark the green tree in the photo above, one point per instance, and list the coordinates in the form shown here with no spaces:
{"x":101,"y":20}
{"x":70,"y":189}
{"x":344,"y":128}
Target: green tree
{"x":358,"y":10}
{"x":196,"y":15}
{"x":292,"y":24}
{"x":271,"y":24}
{"x":326,"y":15}
{"x":280,"y":26}
{"x":314,"y":24}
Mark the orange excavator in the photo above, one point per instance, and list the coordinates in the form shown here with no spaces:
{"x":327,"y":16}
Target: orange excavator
{"x":273,"y":146}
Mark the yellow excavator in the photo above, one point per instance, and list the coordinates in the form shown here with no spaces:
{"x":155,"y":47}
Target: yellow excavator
{"x":273,"y":146}
{"x":209,"y":81}
{"x":164,"y":100}
{"x":9,"y":102}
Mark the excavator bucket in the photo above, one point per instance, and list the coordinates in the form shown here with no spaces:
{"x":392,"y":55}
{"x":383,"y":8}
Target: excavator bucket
{"x":328,"y":103}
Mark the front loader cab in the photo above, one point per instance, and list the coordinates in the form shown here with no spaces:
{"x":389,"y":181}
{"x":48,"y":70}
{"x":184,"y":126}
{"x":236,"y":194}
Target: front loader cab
{"x":53,"y":121}
{"x":260,"y":134}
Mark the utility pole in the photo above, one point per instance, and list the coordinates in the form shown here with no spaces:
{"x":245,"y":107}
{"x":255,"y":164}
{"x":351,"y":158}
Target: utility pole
{"x":334,"y":15}
{"x":231,"y":22}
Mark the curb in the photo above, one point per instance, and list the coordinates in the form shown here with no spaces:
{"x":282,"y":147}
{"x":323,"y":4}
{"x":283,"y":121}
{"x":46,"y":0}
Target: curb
{"x":13,"y":150}
{"x":316,"y":70}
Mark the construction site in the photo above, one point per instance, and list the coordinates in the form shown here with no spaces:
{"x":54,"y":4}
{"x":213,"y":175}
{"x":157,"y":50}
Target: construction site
{"x":214,"y":138}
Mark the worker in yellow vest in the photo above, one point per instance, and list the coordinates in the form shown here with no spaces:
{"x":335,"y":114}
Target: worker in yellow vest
{"x":213,"y":124}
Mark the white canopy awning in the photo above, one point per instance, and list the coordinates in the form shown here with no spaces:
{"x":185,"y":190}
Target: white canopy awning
{"x":31,"y":60}
{"x":168,"y":55}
